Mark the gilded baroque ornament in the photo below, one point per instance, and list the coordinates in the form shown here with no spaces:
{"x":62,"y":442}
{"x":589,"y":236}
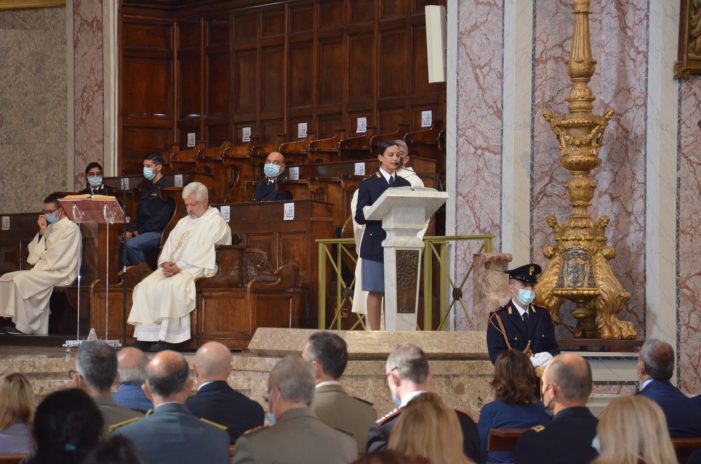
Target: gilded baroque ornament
{"x":578,"y":268}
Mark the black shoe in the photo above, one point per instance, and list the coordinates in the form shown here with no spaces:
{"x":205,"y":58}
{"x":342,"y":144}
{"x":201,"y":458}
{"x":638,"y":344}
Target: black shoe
{"x":13,"y":331}
{"x":143,"y":346}
{"x":162,"y":346}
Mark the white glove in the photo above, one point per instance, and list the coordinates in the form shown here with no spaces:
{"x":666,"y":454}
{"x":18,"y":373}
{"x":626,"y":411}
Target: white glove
{"x":541,"y":359}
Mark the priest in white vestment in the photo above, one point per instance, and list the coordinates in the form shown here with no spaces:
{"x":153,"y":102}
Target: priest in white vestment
{"x":54,"y":254}
{"x":407,"y":172}
{"x":162,"y":302}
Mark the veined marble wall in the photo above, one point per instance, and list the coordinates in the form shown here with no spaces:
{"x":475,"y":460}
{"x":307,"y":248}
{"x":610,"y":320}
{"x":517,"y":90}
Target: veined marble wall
{"x":32,"y":107}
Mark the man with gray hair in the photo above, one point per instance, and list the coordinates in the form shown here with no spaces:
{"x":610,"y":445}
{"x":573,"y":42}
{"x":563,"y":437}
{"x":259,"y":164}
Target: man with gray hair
{"x":162,"y":302}
{"x":565,"y":389}
{"x":171,"y":433}
{"x":96,"y":372}
{"x":655,"y":369}
{"x":296,"y":436}
{"x":405,"y":170}
{"x":131,"y":366}
{"x":408,"y":376}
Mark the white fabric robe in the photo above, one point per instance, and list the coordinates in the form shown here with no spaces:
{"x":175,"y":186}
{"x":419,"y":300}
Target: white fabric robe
{"x":55,"y":257}
{"x":161,"y":305}
{"x":360,"y":297}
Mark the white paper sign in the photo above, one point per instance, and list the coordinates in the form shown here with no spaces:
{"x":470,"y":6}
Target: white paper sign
{"x":225,"y":212}
{"x":362,"y":125}
{"x":289,"y":212}
{"x":246,"y":134}
{"x":190,"y":139}
{"x":178,"y":180}
{"x":359,"y":169}
{"x":301,"y":130}
{"x":426,"y":118}
{"x":294,"y":173}
{"x":6,"y":223}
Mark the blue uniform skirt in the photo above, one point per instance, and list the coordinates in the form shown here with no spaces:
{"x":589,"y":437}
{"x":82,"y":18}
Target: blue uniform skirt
{"x":373,"y":276}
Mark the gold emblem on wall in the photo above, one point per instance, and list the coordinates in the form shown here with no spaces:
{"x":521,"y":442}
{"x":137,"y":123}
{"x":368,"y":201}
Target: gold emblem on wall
{"x":579,"y":268}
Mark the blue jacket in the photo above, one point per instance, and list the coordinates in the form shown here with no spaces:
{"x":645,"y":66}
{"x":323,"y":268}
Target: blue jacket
{"x":220,"y":403}
{"x":130,"y":395}
{"x":502,"y":415}
{"x":267,"y":191}
{"x":682,"y":413}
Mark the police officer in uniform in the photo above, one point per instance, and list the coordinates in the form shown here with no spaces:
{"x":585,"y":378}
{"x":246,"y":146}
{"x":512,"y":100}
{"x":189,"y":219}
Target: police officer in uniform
{"x":520,"y":324}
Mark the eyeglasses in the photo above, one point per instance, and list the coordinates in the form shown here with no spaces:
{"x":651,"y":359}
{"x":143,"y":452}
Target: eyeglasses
{"x":46,"y":211}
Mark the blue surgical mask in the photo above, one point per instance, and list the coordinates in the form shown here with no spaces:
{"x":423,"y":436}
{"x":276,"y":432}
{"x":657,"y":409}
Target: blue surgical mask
{"x":526,"y":296}
{"x":397,"y":400}
{"x":149,"y":173}
{"x":95,"y":181}
{"x":271,"y":418}
{"x":271,"y":170}
{"x":52,"y":218}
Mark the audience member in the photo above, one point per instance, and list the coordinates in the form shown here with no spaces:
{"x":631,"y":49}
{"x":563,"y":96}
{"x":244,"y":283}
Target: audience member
{"x":93,"y":178}
{"x":96,"y":366}
{"x":427,"y":428}
{"x":153,"y":214}
{"x":405,"y":170}
{"x":115,"y":450}
{"x":272,"y":187}
{"x":388,"y":457}
{"x":162,"y":302}
{"x":655,"y":368}
{"x":17,"y":405}
{"x":171,"y":433}
{"x":514,"y":406}
{"x":633,"y":430}
{"x":328,"y":355}
{"x":54,"y":253}
{"x":67,"y":426}
{"x":296,"y":436}
{"x":215,"y":399}
{"x":408,"y":376}
{"x":567,"y":384}
{"x":131,"y":367}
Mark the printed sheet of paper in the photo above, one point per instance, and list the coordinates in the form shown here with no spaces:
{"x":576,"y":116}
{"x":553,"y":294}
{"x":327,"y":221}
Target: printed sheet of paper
{"x":360,"y":169}
{"x":225,"y":212}
{"x":289,"y":212}
{"x":293,"y":173}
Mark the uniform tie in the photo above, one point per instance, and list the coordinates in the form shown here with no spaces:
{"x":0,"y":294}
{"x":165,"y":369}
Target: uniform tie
{"x":391,"y":181}
{"x":525,"y":318}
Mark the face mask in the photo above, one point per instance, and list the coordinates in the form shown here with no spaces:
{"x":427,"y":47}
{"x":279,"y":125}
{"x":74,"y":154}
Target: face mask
{"x":149,"y":173}
{"x":52,"y":218}
{"x":397,"y":400}
{"x":271,"y":418}
{"x":95,"y":181}
{"x":526,"y":296}
{"x":271,"y":170}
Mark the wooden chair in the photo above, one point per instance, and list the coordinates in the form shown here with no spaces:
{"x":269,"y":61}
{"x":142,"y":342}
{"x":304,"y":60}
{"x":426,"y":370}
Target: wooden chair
{"x":685,"y":446}
{"x":323,"y":150}
{"x":504,"y":439}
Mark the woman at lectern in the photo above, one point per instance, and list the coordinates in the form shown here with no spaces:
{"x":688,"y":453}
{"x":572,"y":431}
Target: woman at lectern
{"x":93,"y":177}
{"x":371,"y":250}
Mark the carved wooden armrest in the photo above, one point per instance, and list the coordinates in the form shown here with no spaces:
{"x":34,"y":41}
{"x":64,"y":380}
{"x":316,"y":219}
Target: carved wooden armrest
{"x":285,"y":279}
{"x":229,"y":261}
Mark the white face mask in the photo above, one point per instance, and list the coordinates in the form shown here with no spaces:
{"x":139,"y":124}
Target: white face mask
{"x":526,"y":296}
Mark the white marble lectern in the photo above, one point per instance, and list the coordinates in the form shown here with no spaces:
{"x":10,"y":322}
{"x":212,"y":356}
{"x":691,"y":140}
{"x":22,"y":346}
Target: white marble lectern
{"x":403,"y":212}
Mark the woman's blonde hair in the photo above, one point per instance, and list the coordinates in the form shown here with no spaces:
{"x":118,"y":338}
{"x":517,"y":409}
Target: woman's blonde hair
{"x":17,"y":400}
{"x":633,"y":429}
{"x":427,"y":428}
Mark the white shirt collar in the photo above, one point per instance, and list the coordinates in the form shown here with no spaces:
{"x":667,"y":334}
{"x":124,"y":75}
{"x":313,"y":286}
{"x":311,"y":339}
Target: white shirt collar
{"x":646,"y":383}
{"x":199,"y":387}
{"x":519,"y":308}
{"x":385,"y":174}
{"x":327,"y":382}
{"x":410,"y":396}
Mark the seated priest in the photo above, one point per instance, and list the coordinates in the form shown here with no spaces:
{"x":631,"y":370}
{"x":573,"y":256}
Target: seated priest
{"x":162,"y":302}
{"x":54,"y":255}
{"x":272,"y":187}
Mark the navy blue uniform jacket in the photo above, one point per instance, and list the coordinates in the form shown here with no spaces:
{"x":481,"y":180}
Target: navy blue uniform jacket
{"x":682,"y":413}
{"x":153,"y":213}
{"x":369,"y":191}
{"x":541,"y":331}
{"x":271,"y":191}
{"x":220,"y":403}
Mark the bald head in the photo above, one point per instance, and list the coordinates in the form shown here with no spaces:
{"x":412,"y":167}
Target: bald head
{"x":167,"y":375}
{"x":131,"y":363}
{"x":572,"y":375}
{"x":212,"y":362}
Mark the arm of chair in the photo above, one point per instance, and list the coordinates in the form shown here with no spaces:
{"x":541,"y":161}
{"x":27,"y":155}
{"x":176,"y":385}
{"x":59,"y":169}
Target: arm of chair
{"x":229,"y":271}
{"x":503,"y":439}
{"x":285,"y":279}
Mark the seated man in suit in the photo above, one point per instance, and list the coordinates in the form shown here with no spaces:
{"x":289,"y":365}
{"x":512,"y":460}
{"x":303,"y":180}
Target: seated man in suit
{"x":131,"y":366}
{"x":171,"y":433}
{"x":520,"y":324}
{"x":272,"y":187}
{"x":162,"y":302}
{"x":215,"y":399}
{"x":655,"y":368}
{"x":328,"y":355}
{"x":296,"y":436}
{"x":96,"y":367}
{"x":408,"y":376}
{"x":566,"y":387}
{"x":55,"y":254}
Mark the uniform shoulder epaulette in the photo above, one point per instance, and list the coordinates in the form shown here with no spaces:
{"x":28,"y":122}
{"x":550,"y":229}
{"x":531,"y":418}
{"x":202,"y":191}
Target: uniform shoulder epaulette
{"x":377,"y":174}
{"x":362,"y":400}
{"x":117,"y":425}
{"x":538,"y":428}
{"x":255,"y":430}
{"x":389,"y":416}
{"x":214,"y":424}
